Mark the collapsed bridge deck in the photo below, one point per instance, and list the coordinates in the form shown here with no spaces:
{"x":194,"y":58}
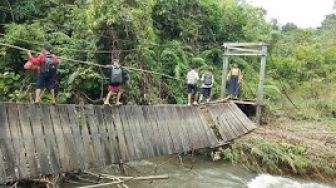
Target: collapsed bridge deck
{"x":37,"y":140}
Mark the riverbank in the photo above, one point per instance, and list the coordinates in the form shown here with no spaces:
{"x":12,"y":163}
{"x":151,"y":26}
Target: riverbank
{"x":287,"y":147}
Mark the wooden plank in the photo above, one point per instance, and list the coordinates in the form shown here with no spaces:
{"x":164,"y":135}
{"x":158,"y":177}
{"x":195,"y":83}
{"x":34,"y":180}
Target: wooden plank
{"x":152,"y":130}
{"x":107,"y":151}
{"x":189,"y":125}
{"x":225,"y":122}
{"x":233,"y":124}
{"x":133,"y":117}
{"x":88,"y":149}
{"x":60,"y":141}
{"x":145,"y":131}
{"x":129,"y":137}
{"x":68,"y":138}
{"x":52,"y":149}
{"x":2,"y":167}
{"x":29,"y":140}
{"x":6,"y":143}
{"x":92,"y":123}
{"x":208,"y":130}
{"x":75,"y":129}
{"x":201,"y":131}
{"x":255,"y":44}
{"x":198,"y":135}
{"x":163,"y":126}
{"x":173,"y":124}
{"x":214,"y":112}
{"x":184,"y":129}
{"x":249,"y":125}
{"x":260,"y":93}
{"x":111,"y":133}
{"x":19,"y":150}
{"x":238,"y":123}
{"x":184,"y":125}
{"x":122,"y":147}
{"x":158,"y":132}
{"x":224,"y":72}
{"x":177,"y":122}
{"x":35,"y":115}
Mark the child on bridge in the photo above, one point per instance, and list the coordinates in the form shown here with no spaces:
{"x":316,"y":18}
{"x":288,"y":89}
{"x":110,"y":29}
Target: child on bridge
{"x":192,"y":79}
{"x":118,"y":76}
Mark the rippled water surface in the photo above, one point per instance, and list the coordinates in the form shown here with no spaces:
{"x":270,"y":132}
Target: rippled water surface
{"x":200,"y":172}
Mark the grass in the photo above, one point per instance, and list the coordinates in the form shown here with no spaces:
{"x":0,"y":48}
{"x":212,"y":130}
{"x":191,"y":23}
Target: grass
{"x":281,"y":158}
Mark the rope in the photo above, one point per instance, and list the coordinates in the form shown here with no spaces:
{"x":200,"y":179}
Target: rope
{"x":95,"y":64}
{"x":69,"y":49}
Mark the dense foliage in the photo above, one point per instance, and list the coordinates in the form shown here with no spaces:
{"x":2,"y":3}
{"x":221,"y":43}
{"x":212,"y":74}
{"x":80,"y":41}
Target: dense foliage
{"x":165,"y":37}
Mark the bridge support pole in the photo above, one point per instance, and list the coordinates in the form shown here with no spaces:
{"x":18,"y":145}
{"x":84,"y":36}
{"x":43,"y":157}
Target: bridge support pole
{"x":261,"y":83}
{"x":224,"y":71}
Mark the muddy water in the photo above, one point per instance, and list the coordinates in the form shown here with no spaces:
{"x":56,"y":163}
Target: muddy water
{"x":200,"y":172}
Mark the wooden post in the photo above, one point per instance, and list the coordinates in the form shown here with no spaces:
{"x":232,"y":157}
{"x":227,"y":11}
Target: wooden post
{"x":224,"y":71}
{"x":261,"y":83}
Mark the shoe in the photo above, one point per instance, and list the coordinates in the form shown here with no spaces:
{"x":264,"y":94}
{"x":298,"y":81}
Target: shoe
{"x":118,"y":103}
{"x":189,"y":104}
{"x":195,"y":103}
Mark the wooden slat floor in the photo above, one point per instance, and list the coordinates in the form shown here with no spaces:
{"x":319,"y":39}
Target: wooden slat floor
{"x":37,"y":140}
{"x":231,"y":122}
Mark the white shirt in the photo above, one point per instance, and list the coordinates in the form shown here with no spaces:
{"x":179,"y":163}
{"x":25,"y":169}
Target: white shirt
{"x":192,"y":77}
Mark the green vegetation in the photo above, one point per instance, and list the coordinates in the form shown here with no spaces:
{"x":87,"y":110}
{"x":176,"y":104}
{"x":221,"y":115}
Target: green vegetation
{"x":280,"y":158}
{"x":166,"y":37}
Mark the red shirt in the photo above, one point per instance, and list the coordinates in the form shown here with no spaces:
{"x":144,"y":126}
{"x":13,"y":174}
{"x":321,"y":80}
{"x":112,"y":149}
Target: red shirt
{"x":41,"y":58}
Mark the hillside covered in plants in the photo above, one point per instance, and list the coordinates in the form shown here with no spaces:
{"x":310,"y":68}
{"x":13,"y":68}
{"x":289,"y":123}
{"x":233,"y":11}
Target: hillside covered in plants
{"x":167,"y":37}
{"x":164,"y":37}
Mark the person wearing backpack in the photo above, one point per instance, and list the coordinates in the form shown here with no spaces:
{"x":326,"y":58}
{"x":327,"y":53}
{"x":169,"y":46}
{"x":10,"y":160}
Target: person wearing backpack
{"x":48,"y":64}
{"x":207,"y":83}
{"x":118,"y":76}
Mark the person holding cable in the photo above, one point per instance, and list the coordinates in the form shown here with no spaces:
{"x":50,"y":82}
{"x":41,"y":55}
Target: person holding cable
{"x":46,"y":65}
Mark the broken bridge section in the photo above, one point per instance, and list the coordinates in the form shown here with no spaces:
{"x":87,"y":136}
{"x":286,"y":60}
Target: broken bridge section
{"x":37,"y":140}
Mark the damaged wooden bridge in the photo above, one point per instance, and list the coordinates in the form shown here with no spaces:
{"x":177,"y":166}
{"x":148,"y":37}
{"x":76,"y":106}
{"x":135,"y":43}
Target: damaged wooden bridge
{"x":37,"y":140}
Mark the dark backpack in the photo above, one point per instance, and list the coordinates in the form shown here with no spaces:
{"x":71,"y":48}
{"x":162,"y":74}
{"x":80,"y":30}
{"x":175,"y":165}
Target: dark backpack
{"x":116,"y":75}
{"x":49,"y":67}
{"x":125,"y":75}
{"x":207,"y":79}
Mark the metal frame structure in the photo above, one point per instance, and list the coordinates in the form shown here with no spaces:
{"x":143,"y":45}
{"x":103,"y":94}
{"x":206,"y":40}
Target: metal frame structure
{"x":246,"y":49}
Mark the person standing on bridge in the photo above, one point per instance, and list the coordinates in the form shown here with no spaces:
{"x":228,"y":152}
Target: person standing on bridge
{"x":118,"y":76}
{"x":47,"y":69}
{"x":207,"y":83}
{"x":235,"y":76}
{"x":192,"y":79}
